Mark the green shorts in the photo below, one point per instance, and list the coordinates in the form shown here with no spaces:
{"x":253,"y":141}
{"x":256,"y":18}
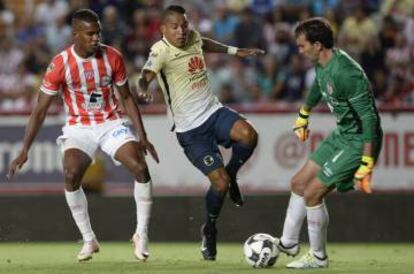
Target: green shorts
{"x":339,"y":156}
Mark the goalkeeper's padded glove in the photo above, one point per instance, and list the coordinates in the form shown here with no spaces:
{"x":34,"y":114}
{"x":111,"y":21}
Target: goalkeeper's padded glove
{"x":362,"y":177}
{"x":301,"y":125}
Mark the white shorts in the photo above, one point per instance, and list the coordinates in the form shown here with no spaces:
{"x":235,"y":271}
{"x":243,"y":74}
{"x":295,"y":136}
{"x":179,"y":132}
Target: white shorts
{"x":108,"y":136}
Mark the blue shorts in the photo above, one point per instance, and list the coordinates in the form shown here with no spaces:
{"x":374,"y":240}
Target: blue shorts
{"x":201,"y":143}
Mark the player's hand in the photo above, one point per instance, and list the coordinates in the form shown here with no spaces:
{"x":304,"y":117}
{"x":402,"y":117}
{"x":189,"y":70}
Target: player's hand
{"x":17,"y":164}
{"x":242,"y":52}
{"x":362,"y":177}
{"x":145,"y":97}
{"x":300,"y":128}
{"x":146,"y":146}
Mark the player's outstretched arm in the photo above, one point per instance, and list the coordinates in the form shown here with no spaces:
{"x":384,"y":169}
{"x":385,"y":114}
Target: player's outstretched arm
{"x":35,"y":122}
{"x":134,"y":114}
{"x":210,"y":45}
{"x":143,"y":83}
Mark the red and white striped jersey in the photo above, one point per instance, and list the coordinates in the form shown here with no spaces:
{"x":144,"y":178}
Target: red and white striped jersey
{"x":86,"y":84}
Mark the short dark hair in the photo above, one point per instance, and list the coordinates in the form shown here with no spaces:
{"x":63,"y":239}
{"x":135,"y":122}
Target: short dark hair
{"x":316,"y":29}
{"x":85,"y":15}
{"x":170,"y":10}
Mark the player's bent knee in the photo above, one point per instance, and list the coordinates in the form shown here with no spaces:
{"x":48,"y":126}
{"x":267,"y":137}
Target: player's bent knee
{"x":249,"y":136}
{"x":297,"y":186}
{"x":221,"y":186}
{"x":311,"y":198}
{"x":72,"y":178}
{"x":72,"y":174}
{"x":219,"y":181}
{"x":140,"y":171}
{"x":254,"y":136}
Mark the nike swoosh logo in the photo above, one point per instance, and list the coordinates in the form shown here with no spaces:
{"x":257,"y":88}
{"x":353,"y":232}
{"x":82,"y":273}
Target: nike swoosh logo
{"x":176,"y":54}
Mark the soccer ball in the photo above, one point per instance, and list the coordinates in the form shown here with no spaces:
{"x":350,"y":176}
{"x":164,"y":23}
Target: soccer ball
{"x":260,"y":250}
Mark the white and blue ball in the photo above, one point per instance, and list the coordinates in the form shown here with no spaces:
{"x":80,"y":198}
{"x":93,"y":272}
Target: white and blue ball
{"x":260,"y":250}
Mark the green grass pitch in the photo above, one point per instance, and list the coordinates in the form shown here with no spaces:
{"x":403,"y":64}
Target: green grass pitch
{"x":175,"y":258}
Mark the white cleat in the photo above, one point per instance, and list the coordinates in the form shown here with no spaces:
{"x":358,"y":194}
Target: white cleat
{"x":292,"y":250}
{"x":307,"y":261}
{"x":140,"y":247}
{"x":87,"y":250}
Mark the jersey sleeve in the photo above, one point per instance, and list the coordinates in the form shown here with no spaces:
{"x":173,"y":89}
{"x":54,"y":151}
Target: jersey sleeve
{"x":156,"y":58}
{"x":314,"y":95}
{"x":354,"y":85}
{"x":118,"y":70}
{"x":53,"y":78}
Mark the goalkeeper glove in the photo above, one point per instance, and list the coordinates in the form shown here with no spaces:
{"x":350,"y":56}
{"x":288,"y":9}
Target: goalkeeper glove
{"x":301,"y":125}
{"x":362,"y":177}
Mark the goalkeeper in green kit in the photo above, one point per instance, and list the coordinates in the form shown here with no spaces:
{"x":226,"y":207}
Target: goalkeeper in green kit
{"x":346,"y":157}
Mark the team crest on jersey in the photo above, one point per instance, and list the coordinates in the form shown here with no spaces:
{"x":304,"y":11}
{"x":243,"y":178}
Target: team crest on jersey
{"x":195,"y":65}
{"x":329,"y":88}
{"x":88,"y":74}
{"x":105,"y":80}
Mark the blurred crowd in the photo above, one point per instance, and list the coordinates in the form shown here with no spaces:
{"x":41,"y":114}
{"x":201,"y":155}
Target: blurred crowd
{"x":378,"y":34}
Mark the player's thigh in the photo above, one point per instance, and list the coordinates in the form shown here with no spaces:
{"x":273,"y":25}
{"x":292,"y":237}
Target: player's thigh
{"x":201,"y":150}
{"x":130,"y":155}
{"x":115,"y":136}
{"x":243,"y":131}
{"x":302,"y":178}
{"x":315,"y":191}
{"x":82,"y":139}
{"x":231,"y":127}
{"x":325,"y":150}
{"x":75,"y":163}
{"x":338,"y":171}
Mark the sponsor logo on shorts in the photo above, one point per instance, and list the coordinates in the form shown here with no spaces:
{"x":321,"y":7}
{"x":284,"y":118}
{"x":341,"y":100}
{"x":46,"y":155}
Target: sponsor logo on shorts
{"x":208,"y":160}
{"x":121,"y":131}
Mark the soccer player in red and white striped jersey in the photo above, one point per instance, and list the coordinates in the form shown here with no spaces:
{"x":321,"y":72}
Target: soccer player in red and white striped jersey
{"x":85,"y":76}
{"x":86,"y":84}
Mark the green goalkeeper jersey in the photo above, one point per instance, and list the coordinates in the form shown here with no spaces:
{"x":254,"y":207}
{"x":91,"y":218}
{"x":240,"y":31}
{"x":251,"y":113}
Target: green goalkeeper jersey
{"x":343,"y":85}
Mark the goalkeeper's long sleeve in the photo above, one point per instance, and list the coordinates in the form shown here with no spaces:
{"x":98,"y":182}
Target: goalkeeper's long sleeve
{"x":314,"y":95}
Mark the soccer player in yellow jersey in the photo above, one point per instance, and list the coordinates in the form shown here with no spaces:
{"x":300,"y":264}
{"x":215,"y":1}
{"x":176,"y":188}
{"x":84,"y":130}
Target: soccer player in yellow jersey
{"x":200,"y":121}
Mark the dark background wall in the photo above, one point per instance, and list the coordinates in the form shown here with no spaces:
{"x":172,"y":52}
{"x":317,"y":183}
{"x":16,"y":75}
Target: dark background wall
{"x":353,"y":217}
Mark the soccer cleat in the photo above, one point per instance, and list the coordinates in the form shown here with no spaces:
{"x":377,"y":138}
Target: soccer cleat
{"x":292,"y":250}
{"x":307,"y":261}
{"x":208,"y":242}
{"x":235,"y":194}
{"x":140,"y":244}
{"x":87,"y":250}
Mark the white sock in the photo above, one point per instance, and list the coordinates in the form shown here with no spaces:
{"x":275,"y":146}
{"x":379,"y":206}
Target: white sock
{"x":318,"y":220}
{"x":79,"y":207}
{"x":295,"y":214}
{"x":143,"y":201}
